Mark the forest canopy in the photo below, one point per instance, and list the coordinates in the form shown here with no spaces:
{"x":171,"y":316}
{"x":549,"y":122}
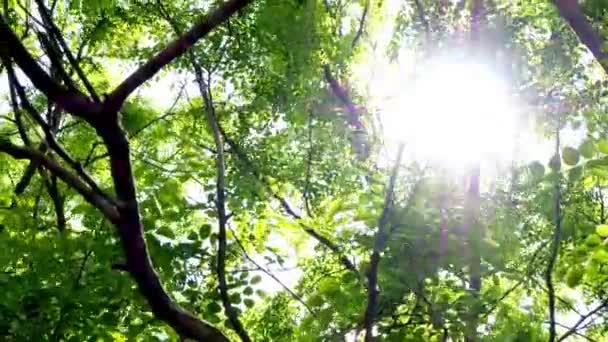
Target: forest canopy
{"x":304,"y":170}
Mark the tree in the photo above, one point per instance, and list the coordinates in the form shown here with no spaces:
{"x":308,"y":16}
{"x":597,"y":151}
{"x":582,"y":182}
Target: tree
{"x":242,"y":145}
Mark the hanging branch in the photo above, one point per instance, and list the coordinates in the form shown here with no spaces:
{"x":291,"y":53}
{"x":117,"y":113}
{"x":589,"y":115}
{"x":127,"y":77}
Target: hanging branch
{"x":555,"y":243}
{"x":472,"y":223}
{"x":423,"y":21}
{"x":220,"y":202}
{"x":306,"y":191}
{"x":571,"y":12}
{"x":379,"y":243}
{"x":58,"y":201}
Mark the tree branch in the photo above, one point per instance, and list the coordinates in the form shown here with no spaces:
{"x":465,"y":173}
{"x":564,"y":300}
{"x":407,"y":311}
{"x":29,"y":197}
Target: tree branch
{"x":293,"y":295}
{"x":172,"y":51}
{"x":423,"y":21}
{"x":50,"y":138}
{"x":583,"y":318}
{"x":571,"y":11}
{"x":220,"y":201}
{"x":379,"y":243}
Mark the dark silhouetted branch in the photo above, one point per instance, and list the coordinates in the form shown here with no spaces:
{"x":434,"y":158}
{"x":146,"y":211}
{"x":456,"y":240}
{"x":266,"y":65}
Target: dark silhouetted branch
{"x":72,"y":102}
{"x":47,"y":18}
{"x":571,"y":11}
{"x":581,"y":320}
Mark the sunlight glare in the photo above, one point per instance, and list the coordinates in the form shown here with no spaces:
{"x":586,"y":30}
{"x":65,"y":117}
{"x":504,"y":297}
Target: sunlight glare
{"x":454,"y":113}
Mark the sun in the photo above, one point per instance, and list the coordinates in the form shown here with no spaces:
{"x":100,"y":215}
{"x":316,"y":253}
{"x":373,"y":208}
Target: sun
{"x":453,"y":113}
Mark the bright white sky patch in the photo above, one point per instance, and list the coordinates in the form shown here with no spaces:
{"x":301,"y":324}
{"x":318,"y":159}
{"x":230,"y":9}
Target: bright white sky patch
{"x":454,"y":113}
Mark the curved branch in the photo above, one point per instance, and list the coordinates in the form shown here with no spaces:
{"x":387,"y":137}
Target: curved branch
{"x":582,"y":319}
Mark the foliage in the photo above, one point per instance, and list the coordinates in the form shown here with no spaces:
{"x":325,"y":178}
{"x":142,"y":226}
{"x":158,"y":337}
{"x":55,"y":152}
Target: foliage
{"x":262,"y":192}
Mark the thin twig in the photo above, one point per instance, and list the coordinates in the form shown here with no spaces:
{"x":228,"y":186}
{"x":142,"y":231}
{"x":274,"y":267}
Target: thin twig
{"x":582,"y":319}
{"x":293,"y":295}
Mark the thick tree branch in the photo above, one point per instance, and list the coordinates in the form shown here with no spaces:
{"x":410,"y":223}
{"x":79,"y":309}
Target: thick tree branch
{"x":571,"y":11}
{"x":50,"y":137}
{"x":73,"y":181}
{"x":172,"y":51}
{"x":342,"y":94}
{"x":379,"y":243}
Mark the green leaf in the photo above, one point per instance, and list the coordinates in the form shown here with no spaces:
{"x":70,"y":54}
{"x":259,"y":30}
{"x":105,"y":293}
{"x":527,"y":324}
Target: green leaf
{"x":214,"y":307}
{"x":588,"y":149}
{"x":575,"y":173}
{"x":536,"y":169}
{"x":256,"y":279}
{"x":554,"y":163}
{"x":602,"y":230}
{"x":248,"y":302}
{"x":593,"y":240}
{"x":235,"y":298}
{"x":600,"y":255}
{"x":574,"y":276}
{"x":205,"y":231}
{"x":602,"y":146}
{"x":570,"y":156}
{"x":248,"y":291}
